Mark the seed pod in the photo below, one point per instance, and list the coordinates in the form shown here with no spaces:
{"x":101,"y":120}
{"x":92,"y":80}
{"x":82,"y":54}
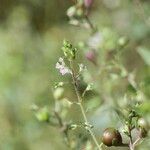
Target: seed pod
{"x":123,"y":41}
{"x":142,"y":123}
{"x":111,"y":137}
{"x":80,"y":12}
{"x":58,"y":93}
{"x":43,"y":115}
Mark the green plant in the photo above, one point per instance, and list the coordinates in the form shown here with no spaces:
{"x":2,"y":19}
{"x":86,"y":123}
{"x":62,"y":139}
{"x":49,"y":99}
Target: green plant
{"x":109,"y":69}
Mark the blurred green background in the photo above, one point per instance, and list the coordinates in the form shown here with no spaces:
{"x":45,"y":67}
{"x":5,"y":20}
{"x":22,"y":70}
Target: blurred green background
{"x":31,"y":35}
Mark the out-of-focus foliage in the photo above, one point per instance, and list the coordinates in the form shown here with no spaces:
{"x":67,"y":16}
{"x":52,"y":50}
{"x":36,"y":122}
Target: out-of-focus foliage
{"x":31,"y":34}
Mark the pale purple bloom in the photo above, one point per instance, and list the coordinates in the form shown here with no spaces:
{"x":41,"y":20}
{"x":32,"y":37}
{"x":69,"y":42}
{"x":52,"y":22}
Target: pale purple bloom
{"x":95,"y":41}
{"x":88,"y":3}
{"x":61,"y":66}
{"x":91,"y":56}
{"x":64,"y":71}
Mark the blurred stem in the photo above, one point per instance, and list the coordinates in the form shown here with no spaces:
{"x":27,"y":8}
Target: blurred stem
{"x":63,"y":126}
{"x":130,"y":137}
{"x":141,"y":12}
{"x":136,"y":142}
{"x":81,"y":106}
{"x":84,"y":92}
{"x":131,"y":143}
{"x":90,"y":24}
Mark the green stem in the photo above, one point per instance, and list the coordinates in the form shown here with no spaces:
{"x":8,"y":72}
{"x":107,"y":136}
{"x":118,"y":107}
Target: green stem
{"x":90,"y":24}
{"x":130,"y":137}
{"x":81,"y":106}
{"x":65,"y":131}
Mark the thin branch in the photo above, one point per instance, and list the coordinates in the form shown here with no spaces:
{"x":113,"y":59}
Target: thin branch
{"x":136,"y":142}
{"x":130,"y":138}
{"x":81,"y":106}
{"x":141,"y":11}
{"x":59,"y":119}
{"x":64,"y":129}
{"x":92,"y":27}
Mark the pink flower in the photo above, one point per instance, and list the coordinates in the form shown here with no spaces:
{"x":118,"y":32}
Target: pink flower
{"x":91,"y":56}
{"x":88,"y":3}
{"x":61,"y":66}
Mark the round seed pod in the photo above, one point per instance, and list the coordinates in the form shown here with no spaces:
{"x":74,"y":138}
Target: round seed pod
{"x":111,"y":137}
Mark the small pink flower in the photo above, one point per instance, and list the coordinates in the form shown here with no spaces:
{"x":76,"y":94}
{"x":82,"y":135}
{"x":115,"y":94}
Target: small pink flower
{"x":61,"y":66}
{"x":91,"y":56}
{"x":88,"y":3}
{"x":64,"y":71}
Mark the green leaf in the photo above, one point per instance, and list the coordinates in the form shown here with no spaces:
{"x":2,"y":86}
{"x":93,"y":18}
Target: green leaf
{"x":145,"y":54}
{"x":144,"y":108}
{"x":131,"y":89}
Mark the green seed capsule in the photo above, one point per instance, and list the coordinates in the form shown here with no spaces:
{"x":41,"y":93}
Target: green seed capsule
{"x":58,"y":93}
{"x":142,"y":123}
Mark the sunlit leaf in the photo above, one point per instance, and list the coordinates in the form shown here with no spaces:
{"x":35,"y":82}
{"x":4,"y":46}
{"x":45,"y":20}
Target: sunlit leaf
{"x":145,"y":54}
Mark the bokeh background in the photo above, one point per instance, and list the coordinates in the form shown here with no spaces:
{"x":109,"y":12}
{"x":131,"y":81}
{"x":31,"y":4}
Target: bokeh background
{"x":31,"y":35}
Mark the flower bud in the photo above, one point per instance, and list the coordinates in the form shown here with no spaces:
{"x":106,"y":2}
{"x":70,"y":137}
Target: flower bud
{"x":79,"y":12}
{"x":142,"y":123}
{"x":111,"y":137}
{"x":73,"y":126}
{"x":71,"y":11}
{"x":91,"y":56}
{"x":68,"y":50}
{"x":58,"y":93}
{"x":43,"y":114}
{"x":88,"y":3}
{"x":123,"y":41}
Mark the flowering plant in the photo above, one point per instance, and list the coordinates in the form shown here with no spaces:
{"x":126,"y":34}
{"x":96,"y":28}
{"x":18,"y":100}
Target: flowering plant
{"x":108,"y":68}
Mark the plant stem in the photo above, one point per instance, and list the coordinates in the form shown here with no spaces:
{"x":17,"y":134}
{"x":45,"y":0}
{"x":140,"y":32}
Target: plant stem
{"x":81,"y":106}
{"x":90,"y":24}
{"x":130,"y":137}
{"x":63,"y":127}
{"x":136,"y":142}
{"x":132,"y":144}
{"x":141,"y":12}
